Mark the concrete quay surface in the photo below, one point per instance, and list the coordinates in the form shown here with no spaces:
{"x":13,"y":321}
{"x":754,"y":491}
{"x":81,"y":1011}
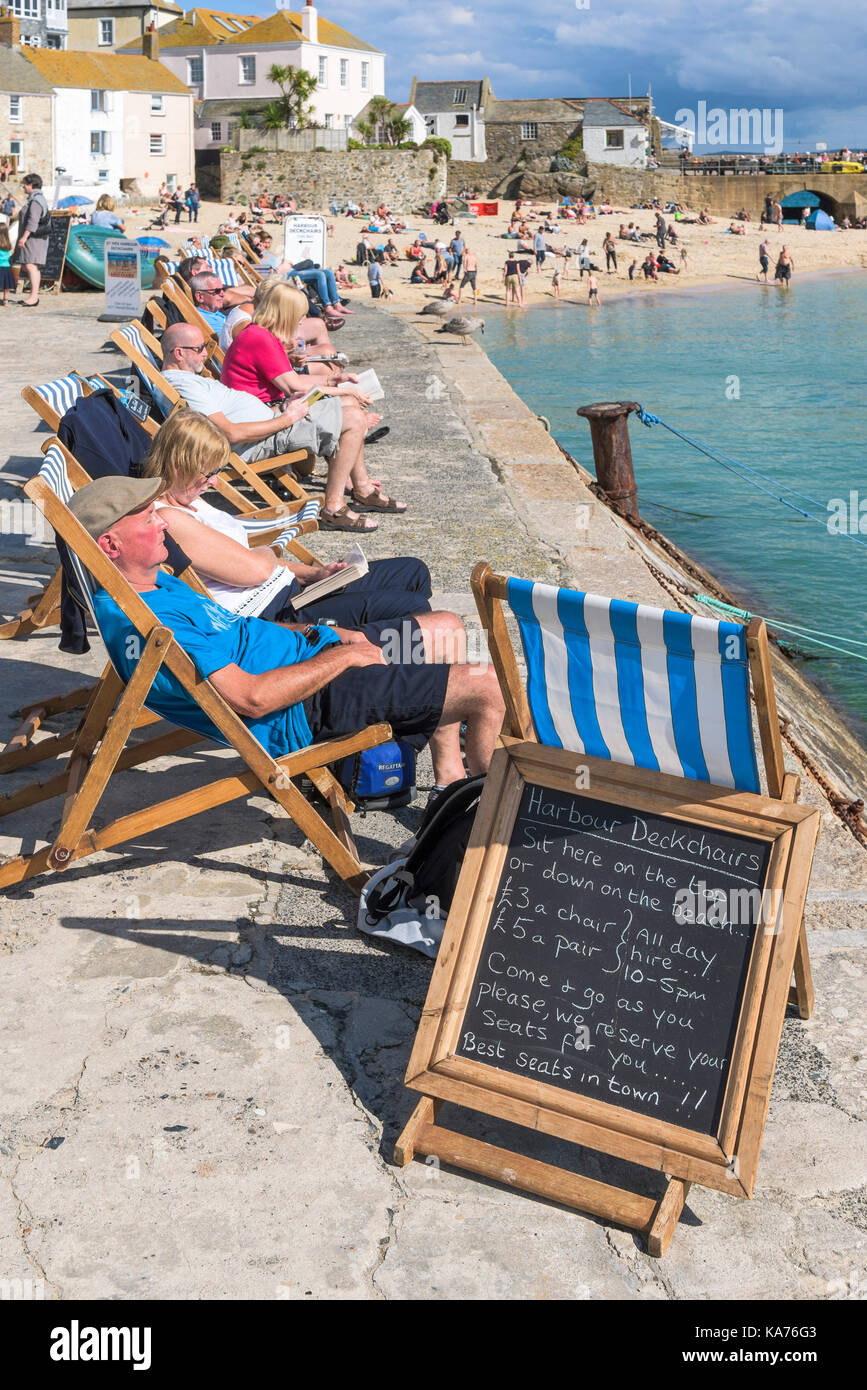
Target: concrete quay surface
{"x":204,"y":1061}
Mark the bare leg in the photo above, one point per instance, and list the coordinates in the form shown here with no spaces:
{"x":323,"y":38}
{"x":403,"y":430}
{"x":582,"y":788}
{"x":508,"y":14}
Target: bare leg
{"x":35,"y":280}
{"x":445,"y":638}
{"x":473,"y":697}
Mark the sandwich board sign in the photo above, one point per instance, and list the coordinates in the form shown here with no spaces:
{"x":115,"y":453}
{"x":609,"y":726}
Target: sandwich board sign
{"x":614,"y":971}
{"x":304,"y":239}
{"x":122,"y":279}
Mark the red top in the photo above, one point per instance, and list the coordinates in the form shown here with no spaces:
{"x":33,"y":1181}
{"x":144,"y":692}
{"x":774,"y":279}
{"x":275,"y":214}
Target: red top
{"x":254,"y":361}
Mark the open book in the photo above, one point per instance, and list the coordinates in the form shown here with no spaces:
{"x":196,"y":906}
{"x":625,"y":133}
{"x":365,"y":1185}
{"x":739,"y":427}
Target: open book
{"x":356,"y":566}
{"x":369,"y":383}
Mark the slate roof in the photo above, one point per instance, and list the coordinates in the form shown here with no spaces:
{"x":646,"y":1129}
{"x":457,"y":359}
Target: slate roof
{"x":533,"y":109}
{"x":431,"y":97}
{"x":111,"y":72}
{"x":599,"y":111}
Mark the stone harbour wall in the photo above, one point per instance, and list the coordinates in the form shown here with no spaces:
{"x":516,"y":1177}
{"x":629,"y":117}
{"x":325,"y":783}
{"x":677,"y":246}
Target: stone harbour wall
{"x":404,"y":179}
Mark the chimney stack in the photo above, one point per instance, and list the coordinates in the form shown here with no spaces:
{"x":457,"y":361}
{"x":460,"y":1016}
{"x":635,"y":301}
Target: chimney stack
{"x":310,"y":23}
{"x":10,"y":29}
{"x":150,"y":44}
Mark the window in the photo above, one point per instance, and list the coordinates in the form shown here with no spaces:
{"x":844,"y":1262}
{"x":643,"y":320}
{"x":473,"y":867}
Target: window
{"x":27,"y":9}
{"x":460,"y":96}
{"x":365,"y":69}
{"x":329,"y":122}
{"x":461,"y":121}
{"x":31,"y":42}
{"x":100,"y":142}
{"x":216,"y":130}
{"x":16,"y":148}
{"x":323,"y":71}
{"x":157,"y":144}
{"x":529,"y":130}
{"x":195,"y":72}
{"x":98,"y":101}
{"x":248,"y":70}
{"x":15,"y":109}
{"x":106,"y":33}
{"x":103,"y":176}
{"x":614,"y":139}
{"x":158,"y":104}
{"x":53,"y":41}
{"x":344,"y":72}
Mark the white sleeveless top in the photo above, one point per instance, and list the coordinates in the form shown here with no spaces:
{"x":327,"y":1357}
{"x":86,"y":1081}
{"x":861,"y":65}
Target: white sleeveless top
{"x":247,"y":603}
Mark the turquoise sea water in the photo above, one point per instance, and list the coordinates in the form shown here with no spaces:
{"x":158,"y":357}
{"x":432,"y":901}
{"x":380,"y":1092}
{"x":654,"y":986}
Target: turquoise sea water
{"x":800,"y":417}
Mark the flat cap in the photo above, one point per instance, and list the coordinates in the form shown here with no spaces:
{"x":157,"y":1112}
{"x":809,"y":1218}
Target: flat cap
{"x":98,"y":505}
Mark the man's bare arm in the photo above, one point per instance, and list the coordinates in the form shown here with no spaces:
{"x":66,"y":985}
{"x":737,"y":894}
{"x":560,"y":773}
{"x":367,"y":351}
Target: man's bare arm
{"x":252,"y":431}
{"x":255,"y":696}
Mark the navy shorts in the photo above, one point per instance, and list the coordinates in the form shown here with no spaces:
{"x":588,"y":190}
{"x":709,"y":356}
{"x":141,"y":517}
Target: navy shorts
{"x":391,"y":589}
{"x":409,"y":697}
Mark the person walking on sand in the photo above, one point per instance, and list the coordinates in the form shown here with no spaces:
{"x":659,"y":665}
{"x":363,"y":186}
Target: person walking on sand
{"x":592,"y":291}
{"x":778,"y":215}
{"x":609,"y":246}
{"x":684,"y":258}
{"x":764,"y":261}
{"x":471,"y":270}
{"x":539,"y":249}
{"x":785,"y":266}
{"x":555,"y":284}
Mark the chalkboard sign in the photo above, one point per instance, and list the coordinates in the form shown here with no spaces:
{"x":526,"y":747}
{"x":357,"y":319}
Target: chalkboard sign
{"x":57,"y":239}
{"x":614,"y":971}
{"x":612,"y":966}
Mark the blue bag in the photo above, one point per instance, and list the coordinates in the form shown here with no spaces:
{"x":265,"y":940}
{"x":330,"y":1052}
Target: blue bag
{"x":381,"y":778}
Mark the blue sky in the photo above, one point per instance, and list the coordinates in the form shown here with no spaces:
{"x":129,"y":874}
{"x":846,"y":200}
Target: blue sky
{"x":799,"y":55}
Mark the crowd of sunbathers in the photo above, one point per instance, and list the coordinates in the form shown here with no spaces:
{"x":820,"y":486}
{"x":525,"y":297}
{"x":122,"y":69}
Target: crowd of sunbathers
{"x":371,"y":652}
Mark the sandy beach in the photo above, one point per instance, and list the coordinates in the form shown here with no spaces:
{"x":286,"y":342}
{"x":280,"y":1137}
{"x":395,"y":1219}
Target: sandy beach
{"x":715,"y":256}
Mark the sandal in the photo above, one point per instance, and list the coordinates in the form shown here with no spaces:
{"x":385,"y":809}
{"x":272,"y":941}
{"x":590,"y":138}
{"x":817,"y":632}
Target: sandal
{"x":374,"y":482}
{"x":341,"y":521}
{"x":375,"y":502}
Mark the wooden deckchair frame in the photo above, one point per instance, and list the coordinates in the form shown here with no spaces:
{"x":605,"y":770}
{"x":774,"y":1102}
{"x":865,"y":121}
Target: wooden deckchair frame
{"x":421,"y":1134}
{"x":116,"y":708}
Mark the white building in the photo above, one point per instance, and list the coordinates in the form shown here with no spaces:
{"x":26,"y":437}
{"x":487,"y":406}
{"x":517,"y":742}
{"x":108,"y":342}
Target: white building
{"x":226,"y":57}
{"x":454,"y":111}
{"x":43,"y":22}
{"x":612,"y":135}
{"x":117,"y":120}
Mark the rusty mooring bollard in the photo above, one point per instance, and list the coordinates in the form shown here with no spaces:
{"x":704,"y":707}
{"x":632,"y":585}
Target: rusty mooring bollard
{"x":612,"y":454}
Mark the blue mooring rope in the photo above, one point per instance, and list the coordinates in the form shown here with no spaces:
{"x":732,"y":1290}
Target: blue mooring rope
{"x":743,"y":470}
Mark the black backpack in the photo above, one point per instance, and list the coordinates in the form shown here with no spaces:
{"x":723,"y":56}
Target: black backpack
{"x":427,"y":878}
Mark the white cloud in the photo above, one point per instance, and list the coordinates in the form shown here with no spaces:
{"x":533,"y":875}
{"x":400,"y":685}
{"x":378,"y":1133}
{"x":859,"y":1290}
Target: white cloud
{"x":459,"y":15}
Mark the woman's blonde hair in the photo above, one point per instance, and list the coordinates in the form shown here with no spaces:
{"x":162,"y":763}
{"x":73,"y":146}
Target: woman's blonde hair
{"x":280,"y":309}
{"x":105,"y":203}
{"x":187,"y":447}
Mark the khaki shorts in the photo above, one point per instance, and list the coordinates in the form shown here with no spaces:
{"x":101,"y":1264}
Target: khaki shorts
{"x":318,"y":431}
{"x":513,"y":282}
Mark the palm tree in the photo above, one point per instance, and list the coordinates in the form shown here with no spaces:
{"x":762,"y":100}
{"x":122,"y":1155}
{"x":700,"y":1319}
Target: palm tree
{"x":296,"y":87}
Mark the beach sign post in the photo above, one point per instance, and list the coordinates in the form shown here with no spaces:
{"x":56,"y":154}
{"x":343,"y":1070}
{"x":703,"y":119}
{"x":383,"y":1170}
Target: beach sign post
{"x":122,"y":280}
{"x":615,"y":968}
{"x":304,"y":239}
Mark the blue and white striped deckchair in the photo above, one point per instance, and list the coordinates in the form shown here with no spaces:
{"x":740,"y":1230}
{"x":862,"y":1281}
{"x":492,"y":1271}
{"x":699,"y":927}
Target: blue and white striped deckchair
{"x":642,"y":686}
{"x":226,"y":269}
{"x":52,"y":400}
{"x":637,"y":685}
{"x":259,"y":526}
{"x":131,"y":342}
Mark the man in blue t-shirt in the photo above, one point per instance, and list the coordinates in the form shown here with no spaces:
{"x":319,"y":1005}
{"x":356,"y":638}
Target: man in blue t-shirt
{"x":292,"y":686}
{"x":209,"y":294}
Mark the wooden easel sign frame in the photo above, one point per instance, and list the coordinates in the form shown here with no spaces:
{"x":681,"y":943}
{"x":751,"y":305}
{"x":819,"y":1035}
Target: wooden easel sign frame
{"x":723,"y":1155}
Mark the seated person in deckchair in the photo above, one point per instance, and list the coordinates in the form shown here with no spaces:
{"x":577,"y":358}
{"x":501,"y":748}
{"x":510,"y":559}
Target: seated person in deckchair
{"x":312,"y":331}
{"x":187,"y":454}
{"x":232,"y":294}
{"x":334,"y":427}
{"x":291,"y":688}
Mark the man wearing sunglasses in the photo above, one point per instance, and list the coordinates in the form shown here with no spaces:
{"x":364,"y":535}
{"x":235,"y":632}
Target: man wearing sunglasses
{"x":209,"y":294}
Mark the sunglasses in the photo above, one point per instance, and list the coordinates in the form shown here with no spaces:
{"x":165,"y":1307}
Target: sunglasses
{"x":202,"y":348}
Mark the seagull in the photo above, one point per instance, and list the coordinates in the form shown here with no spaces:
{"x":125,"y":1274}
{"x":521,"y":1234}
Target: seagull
{"x":462,"y":326}
{"x":440,"y":307}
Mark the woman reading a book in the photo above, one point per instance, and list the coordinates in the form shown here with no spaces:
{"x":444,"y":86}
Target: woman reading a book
{"x":387,"y":603}
{"x":258,"y":360}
